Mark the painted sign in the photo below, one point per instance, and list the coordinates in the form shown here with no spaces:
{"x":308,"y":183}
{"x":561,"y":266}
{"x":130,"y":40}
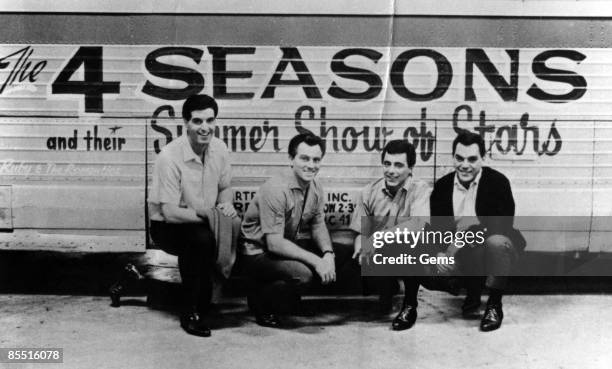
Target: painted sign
{"x":110,"y":104}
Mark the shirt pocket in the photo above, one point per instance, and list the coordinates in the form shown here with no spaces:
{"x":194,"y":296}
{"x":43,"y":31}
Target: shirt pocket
{"x":307,"y":219}
{"x":308,"y":216}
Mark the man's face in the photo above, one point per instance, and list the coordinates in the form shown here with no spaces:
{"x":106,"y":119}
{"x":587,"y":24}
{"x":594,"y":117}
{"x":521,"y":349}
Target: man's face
{"x":467,"y":162}
{"x":201,"y":127}
{"x":306,"y":162}
{"x":395,"y":169}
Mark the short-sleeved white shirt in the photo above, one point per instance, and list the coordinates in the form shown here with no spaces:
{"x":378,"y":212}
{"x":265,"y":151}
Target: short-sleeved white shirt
{"x":178,"y":169}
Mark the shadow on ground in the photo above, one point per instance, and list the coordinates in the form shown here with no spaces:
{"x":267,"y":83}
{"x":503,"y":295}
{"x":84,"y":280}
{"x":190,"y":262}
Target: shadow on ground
{"x":38,"y":272}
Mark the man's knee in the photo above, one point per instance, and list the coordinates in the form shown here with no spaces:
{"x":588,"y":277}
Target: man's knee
{"x":498,"y":242}
{"x":500,"y":246}
{"x":300,"y":273}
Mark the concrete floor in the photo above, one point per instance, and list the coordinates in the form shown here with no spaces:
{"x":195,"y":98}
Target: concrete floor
{"x":542,"y":331}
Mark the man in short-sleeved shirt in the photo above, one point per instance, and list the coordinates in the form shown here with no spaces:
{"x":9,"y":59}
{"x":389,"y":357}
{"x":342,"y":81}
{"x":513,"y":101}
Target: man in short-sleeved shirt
{"x":190,"y":177}
{"x":411,"y":198}
{"x":178,"y":170}
{"x":384,"y":202}
{"x":282,"y":198}
{"x":286,"y":243}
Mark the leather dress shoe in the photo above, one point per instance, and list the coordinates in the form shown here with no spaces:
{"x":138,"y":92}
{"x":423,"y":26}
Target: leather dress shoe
{"x":268,"y":320}
{"x":115,"y":292}
{"x":470,"y":305}
{"x":128,"y":275}
{"x":492,"y":318}
{"x":193,"y":324}
{"x":405,"y":319}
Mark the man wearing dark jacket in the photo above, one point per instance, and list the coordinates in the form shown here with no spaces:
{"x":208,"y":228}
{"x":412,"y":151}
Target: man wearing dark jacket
{"x":477,"y":198}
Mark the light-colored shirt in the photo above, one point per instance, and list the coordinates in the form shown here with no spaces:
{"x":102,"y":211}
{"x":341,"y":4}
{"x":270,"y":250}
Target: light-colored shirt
{"x":277,"y":209}
{"x":464,"y":202}
{"x":178,"y":169}
{"x":412,"y":199}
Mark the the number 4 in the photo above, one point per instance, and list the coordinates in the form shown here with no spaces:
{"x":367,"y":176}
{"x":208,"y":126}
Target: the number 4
{"x":93,"y":85}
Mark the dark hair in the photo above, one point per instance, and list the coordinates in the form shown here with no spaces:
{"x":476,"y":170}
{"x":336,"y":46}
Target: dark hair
{"x":400,"y":147}
{"x":198,"y":102}
{"x":309,"y":139}
{"x":468,"y":138}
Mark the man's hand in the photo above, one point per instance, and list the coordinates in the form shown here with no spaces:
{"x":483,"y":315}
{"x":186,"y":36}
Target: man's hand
{"x":365,"y":255}
{"x":326,"y":268}
{"x":227,"y":209}
{"x":445,"y":269}
{"x":331,"y":260}
{"x":357,"y":250}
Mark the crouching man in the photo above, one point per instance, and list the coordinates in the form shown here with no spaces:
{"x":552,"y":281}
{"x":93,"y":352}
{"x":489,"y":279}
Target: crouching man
{"x":286,"y":244}
{"x":479,"y":199}
{"x":395,"y":196}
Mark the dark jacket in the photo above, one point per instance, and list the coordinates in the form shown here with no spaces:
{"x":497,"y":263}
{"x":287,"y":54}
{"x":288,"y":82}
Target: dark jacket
{"x":494,"y":205}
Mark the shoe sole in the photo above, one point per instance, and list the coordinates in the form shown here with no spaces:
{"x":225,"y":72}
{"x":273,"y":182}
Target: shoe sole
{"x":195,"y":333}
{"x":490,"y":329}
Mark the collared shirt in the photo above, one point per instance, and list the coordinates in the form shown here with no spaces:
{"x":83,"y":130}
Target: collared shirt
{"x":464,"y":200}
{"x":412,"y":199}
{"x":179,"y":170}
{"x":277,"y":209}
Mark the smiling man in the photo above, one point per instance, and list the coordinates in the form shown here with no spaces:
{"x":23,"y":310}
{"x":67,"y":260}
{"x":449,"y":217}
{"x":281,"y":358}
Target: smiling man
{"x":191,"y":176}
{"x":286,"y":244}
{"x":384,"y":202}
{"x":477,"y":198}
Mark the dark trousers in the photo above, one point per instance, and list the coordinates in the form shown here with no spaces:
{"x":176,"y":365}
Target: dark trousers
{"x":487,"y":265}
{"x":194,"y":244}
{"x":277,"y":283}
{"x":387,"y":287}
